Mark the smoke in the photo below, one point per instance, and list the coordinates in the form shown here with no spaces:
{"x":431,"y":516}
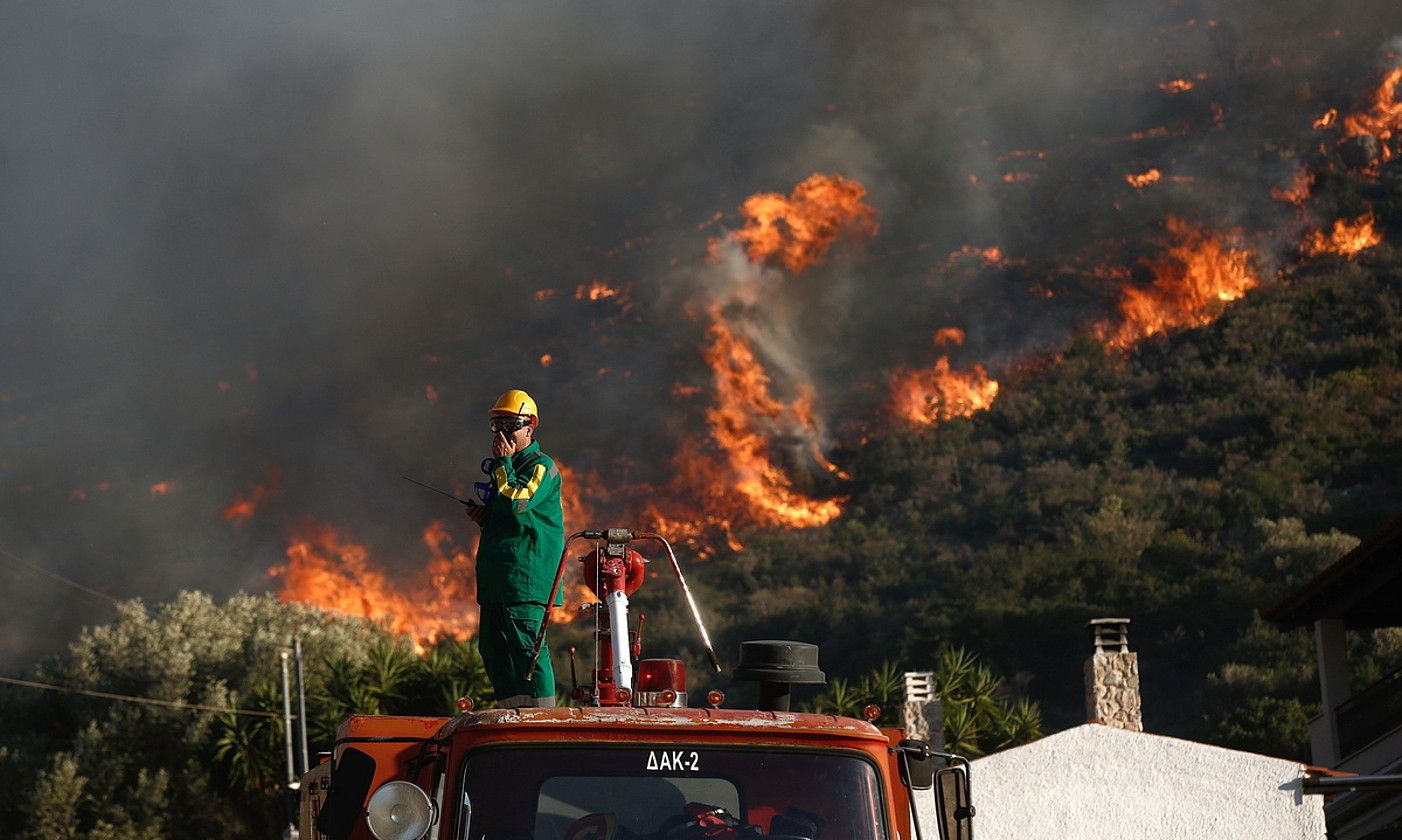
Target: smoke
{"x":238,"y":238}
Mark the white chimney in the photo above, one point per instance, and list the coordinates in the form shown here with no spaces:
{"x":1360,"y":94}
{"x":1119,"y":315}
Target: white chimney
{"x":1112,"y":676}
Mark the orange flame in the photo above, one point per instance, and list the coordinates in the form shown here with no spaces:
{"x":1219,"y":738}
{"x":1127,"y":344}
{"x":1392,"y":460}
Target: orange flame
{"x":1385,"y":115}
{"x":597,"y":290}
{"x":942,"y":393}
{"x":1144,"y":179}
{"x":743,"y":400}
{"x":1176,"y":86}
{"x":798,"y":230}
{"x":578,"y":515}
{"x":1191,"y":282}
{"x":970,"y":258}
{"x":245,"y":504}
{"x":947,"y":336}
{"x":1299,"y":190}
{"x":1348,"y":237}
{"x":1327,"y":119}
{"x":163,"y":488}
{"x":438,"y":602}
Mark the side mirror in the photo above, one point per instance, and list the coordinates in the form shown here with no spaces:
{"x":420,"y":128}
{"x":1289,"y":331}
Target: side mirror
{"x":956,"y":813}
{"x":917,"y":764}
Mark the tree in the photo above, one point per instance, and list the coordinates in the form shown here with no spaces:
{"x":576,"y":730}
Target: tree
{"x":230,"y":764}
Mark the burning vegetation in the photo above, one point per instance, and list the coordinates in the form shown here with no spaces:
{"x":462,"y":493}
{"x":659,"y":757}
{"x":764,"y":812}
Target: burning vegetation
{"x":246,"y":502}
{"x":942,"y":393}
{"x":1347,"y":238}
{"x":797,"y":230}
{"x":759,"y":449}
{"x":742,"y":425}
{"x":435,"y":602}
{"x":1198,"y":273}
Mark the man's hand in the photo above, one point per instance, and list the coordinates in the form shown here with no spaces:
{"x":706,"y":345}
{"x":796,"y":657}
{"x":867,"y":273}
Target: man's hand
{"x":476,"y":513}
{"x":503,"y":446}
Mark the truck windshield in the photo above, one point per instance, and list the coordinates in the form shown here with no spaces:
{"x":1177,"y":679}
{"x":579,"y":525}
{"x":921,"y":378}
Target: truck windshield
{"x":679,"y":793}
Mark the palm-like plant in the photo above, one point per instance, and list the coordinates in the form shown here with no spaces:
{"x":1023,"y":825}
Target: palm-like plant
{"x":884,"y":686}
{"x":978,"y":715}
{"x":246,"y":747}
{"x":839,"y":699}
{"x":389,"y":665}
{"x":1020,"y":723}
{"x":961,"y":730}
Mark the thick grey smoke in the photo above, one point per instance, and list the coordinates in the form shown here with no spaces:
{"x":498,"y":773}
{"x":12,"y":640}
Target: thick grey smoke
{"x":237,"y":238}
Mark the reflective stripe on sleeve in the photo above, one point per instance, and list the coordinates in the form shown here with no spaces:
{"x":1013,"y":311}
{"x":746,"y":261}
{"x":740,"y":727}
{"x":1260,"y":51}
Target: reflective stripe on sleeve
{"x":523,"y":492}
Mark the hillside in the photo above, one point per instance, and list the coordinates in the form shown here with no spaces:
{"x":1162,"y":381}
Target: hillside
{"x":1184,"y":485}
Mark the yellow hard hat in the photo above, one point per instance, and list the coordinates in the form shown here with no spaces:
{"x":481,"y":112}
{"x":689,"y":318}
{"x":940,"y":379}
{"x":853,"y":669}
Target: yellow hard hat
{"x":516,"y":401}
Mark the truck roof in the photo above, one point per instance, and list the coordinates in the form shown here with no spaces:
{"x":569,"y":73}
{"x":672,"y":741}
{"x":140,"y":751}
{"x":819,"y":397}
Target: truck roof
{"x":591,"y":722}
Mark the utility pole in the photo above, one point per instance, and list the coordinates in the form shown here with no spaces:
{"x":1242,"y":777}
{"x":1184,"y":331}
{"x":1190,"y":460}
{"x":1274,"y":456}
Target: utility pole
{"x":290,"y":833}
{"x":287,"y":721}
{"x":301,"y":703}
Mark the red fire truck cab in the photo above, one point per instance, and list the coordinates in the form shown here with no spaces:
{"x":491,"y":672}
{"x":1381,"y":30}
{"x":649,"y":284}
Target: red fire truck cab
{"x":636,"y":764}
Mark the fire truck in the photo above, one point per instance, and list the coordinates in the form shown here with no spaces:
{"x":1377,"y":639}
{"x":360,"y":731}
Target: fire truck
{"x":631,"y":759}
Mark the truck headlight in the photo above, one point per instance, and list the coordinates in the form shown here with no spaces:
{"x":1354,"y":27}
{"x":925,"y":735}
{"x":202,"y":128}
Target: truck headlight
{"x":399,"y":811}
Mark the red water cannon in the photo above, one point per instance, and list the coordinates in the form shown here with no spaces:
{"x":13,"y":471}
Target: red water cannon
{"x":613,"y":571}
{"x":607,"y":573}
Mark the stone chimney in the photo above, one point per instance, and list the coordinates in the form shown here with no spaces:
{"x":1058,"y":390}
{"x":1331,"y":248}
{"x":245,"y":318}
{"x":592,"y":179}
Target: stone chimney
{"x":1112,"y":676}
{"x":922,"y":713}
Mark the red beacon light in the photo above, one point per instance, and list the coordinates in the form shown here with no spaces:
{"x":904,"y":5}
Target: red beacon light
{"x":661,"y":682}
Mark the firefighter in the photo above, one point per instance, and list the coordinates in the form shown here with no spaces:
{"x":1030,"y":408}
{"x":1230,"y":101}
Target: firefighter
{"x":523,"y":535}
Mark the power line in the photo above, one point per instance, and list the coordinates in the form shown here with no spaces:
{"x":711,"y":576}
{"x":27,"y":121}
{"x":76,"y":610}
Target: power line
{"x":58,"y":577}
{"x":129,"y":698}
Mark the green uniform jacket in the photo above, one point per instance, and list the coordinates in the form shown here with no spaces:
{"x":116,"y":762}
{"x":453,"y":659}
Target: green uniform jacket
{"x":523,"y":532}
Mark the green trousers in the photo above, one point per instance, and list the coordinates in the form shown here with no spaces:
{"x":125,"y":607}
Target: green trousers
{"x":505,"y":638}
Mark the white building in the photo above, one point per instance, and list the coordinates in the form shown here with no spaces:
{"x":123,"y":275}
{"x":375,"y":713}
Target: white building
{"x":1110,"y":781}
{"x":1104,"y":783}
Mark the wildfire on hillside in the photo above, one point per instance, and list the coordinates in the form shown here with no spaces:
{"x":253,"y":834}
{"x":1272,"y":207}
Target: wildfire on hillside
{"x":1144,"y":179}
{"x":760,"y":433}
{"x":738,"y":479}
{"x":991,"y":257}
{"x":246,"y":502}
{"x":435,"y":602}
{"x":1384,"y":116}
{"x":1346,"y":239}
{"x":798,"y":229}
{"x":597,"y":290}
{"x":1198,"y":274}
{"x":941,"y":393}
{"x":949,"y":336}
{"x":741,"y":424}
{"x":1298,"y":192}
